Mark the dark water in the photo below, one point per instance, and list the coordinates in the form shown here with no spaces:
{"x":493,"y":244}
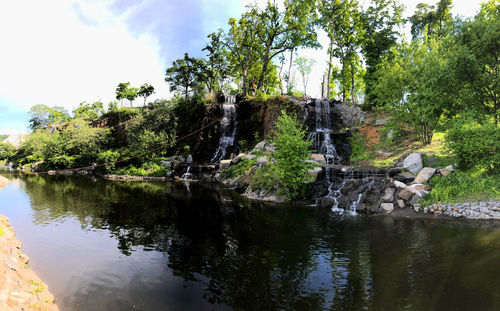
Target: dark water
{"x":115,"y":246}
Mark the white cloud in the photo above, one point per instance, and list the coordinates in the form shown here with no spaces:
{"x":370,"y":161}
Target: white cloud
{"x":64,"y":52}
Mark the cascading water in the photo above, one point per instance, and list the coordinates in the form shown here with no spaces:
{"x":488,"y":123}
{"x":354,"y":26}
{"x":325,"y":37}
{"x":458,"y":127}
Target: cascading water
{"x":321,"y":137}
{"x":187,"y":175}
{"x":228,"y":128}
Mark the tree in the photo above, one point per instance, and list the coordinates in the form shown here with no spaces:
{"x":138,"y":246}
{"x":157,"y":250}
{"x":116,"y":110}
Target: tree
{"x":430,"y":19}
{"x":239,"y":41}
{"x":342,"y":22}
{"x":218,"y":67}
{"x":292,"y":151}
{"x":185,"y":74}
{"x":477,"y":58}
{"x":90,"y":111}
{"x":43,"y":116}
{"x":282,"y":30}
{"x":131,"y":94}
{"x":121,"y":91}
{"x":305,"y":67}
{"x":379,"y":21}
{"x":145,"y":91}
{"x":417,"y":85}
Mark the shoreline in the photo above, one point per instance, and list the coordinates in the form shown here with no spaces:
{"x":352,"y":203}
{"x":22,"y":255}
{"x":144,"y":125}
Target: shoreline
{"x":21,"y":288}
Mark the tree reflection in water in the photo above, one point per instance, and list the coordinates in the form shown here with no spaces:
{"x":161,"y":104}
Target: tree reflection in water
{"x":254,"y":257}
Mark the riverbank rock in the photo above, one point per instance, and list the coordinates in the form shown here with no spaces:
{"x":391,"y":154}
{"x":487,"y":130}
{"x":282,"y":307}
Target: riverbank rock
{"x":262,"y":161}
{"x":224,"y":164}
{"x":20,"y":287}
{"x":424,"y":175}
{"x":387,"y":207}
{"x":413,"y":162}
{"x":319,"y":158}
{"x":447,"y":170}
{"x":315,"y":173}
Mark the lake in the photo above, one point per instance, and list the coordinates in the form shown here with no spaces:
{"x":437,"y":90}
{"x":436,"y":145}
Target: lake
{"x":103,"y":245}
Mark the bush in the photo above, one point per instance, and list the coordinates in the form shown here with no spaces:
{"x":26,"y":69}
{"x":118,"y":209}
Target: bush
{"x":475,"y":145}
{"x":462,"y":185}
{"x":242,"y":168}
{"x":358,"y":148}
{"x":292,"y":151}
{"x":147,"y":169}
{"x":266,"y":178}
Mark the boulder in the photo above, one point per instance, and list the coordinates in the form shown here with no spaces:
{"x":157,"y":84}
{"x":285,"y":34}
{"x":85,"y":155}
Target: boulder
{"x":419,"y":187}
{"x":262,"y":161}
{"x":424,"y":175}
{"x":318,"y":158}
{"x":399,"y":184}
{"x":189,"y":159}
{"x":388,"y":195}
{"x":224,"y":164}
{"x":387,"y":207}
{"x":315,"y":173}
{"x":431,"y":161}
{"x":446,"y":171}
{"x":405,"y":177}
{"x":401,"y":203}
{"x":405,"y":194}
{"x":381,"y":122}
{"x":249,"y":156}
{"x":413,"y":162}
{"x":390,"y":134}
{"x":325,"y":202}
{"x":260,"y":145}
{"x":237,"y":159}
{"x":270,"y":148}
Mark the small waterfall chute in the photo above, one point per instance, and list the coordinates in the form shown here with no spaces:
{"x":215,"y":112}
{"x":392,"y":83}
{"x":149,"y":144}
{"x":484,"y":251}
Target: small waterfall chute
{"x":228,"y":128}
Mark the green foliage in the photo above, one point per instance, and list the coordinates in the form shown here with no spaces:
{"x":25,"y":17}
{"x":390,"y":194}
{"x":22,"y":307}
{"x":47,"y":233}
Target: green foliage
{"x":145,"y":91}
{"x":43,"y":116}
{"x":186,"y":150}
{"x":475,"y":145}
{"x":242,"y":168}
{"x":108,"y":156}
{"x":430,"y":18}
{"x":292,"y":151}
{"x":243,"y":144}
{"x":358,"y":147}
{"x":146,"y":169}
{"x":89,"y":111}
{"x":304,"y":66}
{"x":3,"y":137}
{"x":266,"y":178}
{"x":186,"y":74}
{"x":7,"y":150}
{"x":461,"y":186}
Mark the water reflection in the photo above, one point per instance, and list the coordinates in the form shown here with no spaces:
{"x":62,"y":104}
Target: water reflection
{"x":231,"y":253}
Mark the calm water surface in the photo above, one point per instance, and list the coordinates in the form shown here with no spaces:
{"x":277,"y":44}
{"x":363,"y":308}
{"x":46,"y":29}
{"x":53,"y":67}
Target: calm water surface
{"x":146,"y":246}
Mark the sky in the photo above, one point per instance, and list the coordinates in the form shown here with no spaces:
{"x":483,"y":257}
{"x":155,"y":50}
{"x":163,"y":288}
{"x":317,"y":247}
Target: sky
{"x":64,"y":52}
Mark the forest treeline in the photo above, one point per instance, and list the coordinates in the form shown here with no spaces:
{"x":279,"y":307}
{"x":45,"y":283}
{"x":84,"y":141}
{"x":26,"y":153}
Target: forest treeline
{"x":446,"y":73}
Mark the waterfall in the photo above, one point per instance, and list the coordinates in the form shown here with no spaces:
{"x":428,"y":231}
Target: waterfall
{"x":335,"y":194}
{"x":187,"y":175}
{"x":228,"y":128}
{"x":321,"y":137}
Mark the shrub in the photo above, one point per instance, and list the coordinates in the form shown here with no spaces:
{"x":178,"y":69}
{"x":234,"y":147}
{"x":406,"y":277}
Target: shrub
{"x":475,"y":145}
{"x":266,"y":178}
{"x":292,"y":151}
{"x":462,"y":185}
{"x":242,"y":168}
{"x":358,"y":148}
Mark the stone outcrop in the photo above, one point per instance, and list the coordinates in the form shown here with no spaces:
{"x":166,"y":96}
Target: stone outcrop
{"x":20,"y":288}
{"x":413,"y":162}
{"x":424,"y":175}
{"x":487,"y":209}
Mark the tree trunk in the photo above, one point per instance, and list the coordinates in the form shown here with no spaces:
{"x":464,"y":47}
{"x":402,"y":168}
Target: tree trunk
{"x":289,"y":71}
{"x":263,"y":73}
{"x":352,"y":83}
{"x":244,"y":82}
{"x":329,"y":69}
{"x":186,"y":93}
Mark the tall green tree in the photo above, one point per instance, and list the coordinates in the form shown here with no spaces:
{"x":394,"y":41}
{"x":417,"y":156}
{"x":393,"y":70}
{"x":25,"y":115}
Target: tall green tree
{"x":42,"y":116}
{"x":478,"y":57}
{"x":417,"y":85}
{"x":145,"y":91}
{"x":380,"y":21}
{"x":89,"y":111}
{"x":304,"y":66}
{"x":341,"y":20}
{"x":218,"y":67}
{"x":430,"y":19}
{"x":121,"y":91}
{"x":185,"y":74}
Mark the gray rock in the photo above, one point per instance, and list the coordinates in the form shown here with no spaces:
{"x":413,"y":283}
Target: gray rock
{"x":388,"y":195}
{"x":270,"y":148}
{"x":447,"y":170}
{"x":315,"y":173}
{"x":224,"y":164}
{"x":387,"y":207}
{"x":390,"y":134}
{"x":413,"y":162}
{"x":424,"y":175}
{"x":260,"y":145}
{"x":249,"y":156}
{"x":401,"y":203}
{"x":399,"y":184}
{"x":189,"y":159}
{"x":414,"y":200}
{"x":431,"y":161}
{"x":381,"y":122}
{"x":318,"y":158}
{"x":325,"y":202}
{"x":166,"y":164}
{"x":405,"y":194}
{"x":418,"y":188}
{"x":405,"y":177}
{"x":262,"y":161}
{"x":237,"y":159}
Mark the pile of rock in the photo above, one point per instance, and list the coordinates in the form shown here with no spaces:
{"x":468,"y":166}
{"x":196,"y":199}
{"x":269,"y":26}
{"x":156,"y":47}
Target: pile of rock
{"x":20,"y":287}
{"x":489,"y":209}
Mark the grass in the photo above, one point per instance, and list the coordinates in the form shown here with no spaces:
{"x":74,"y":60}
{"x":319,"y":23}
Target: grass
{"x":242,"y":168}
